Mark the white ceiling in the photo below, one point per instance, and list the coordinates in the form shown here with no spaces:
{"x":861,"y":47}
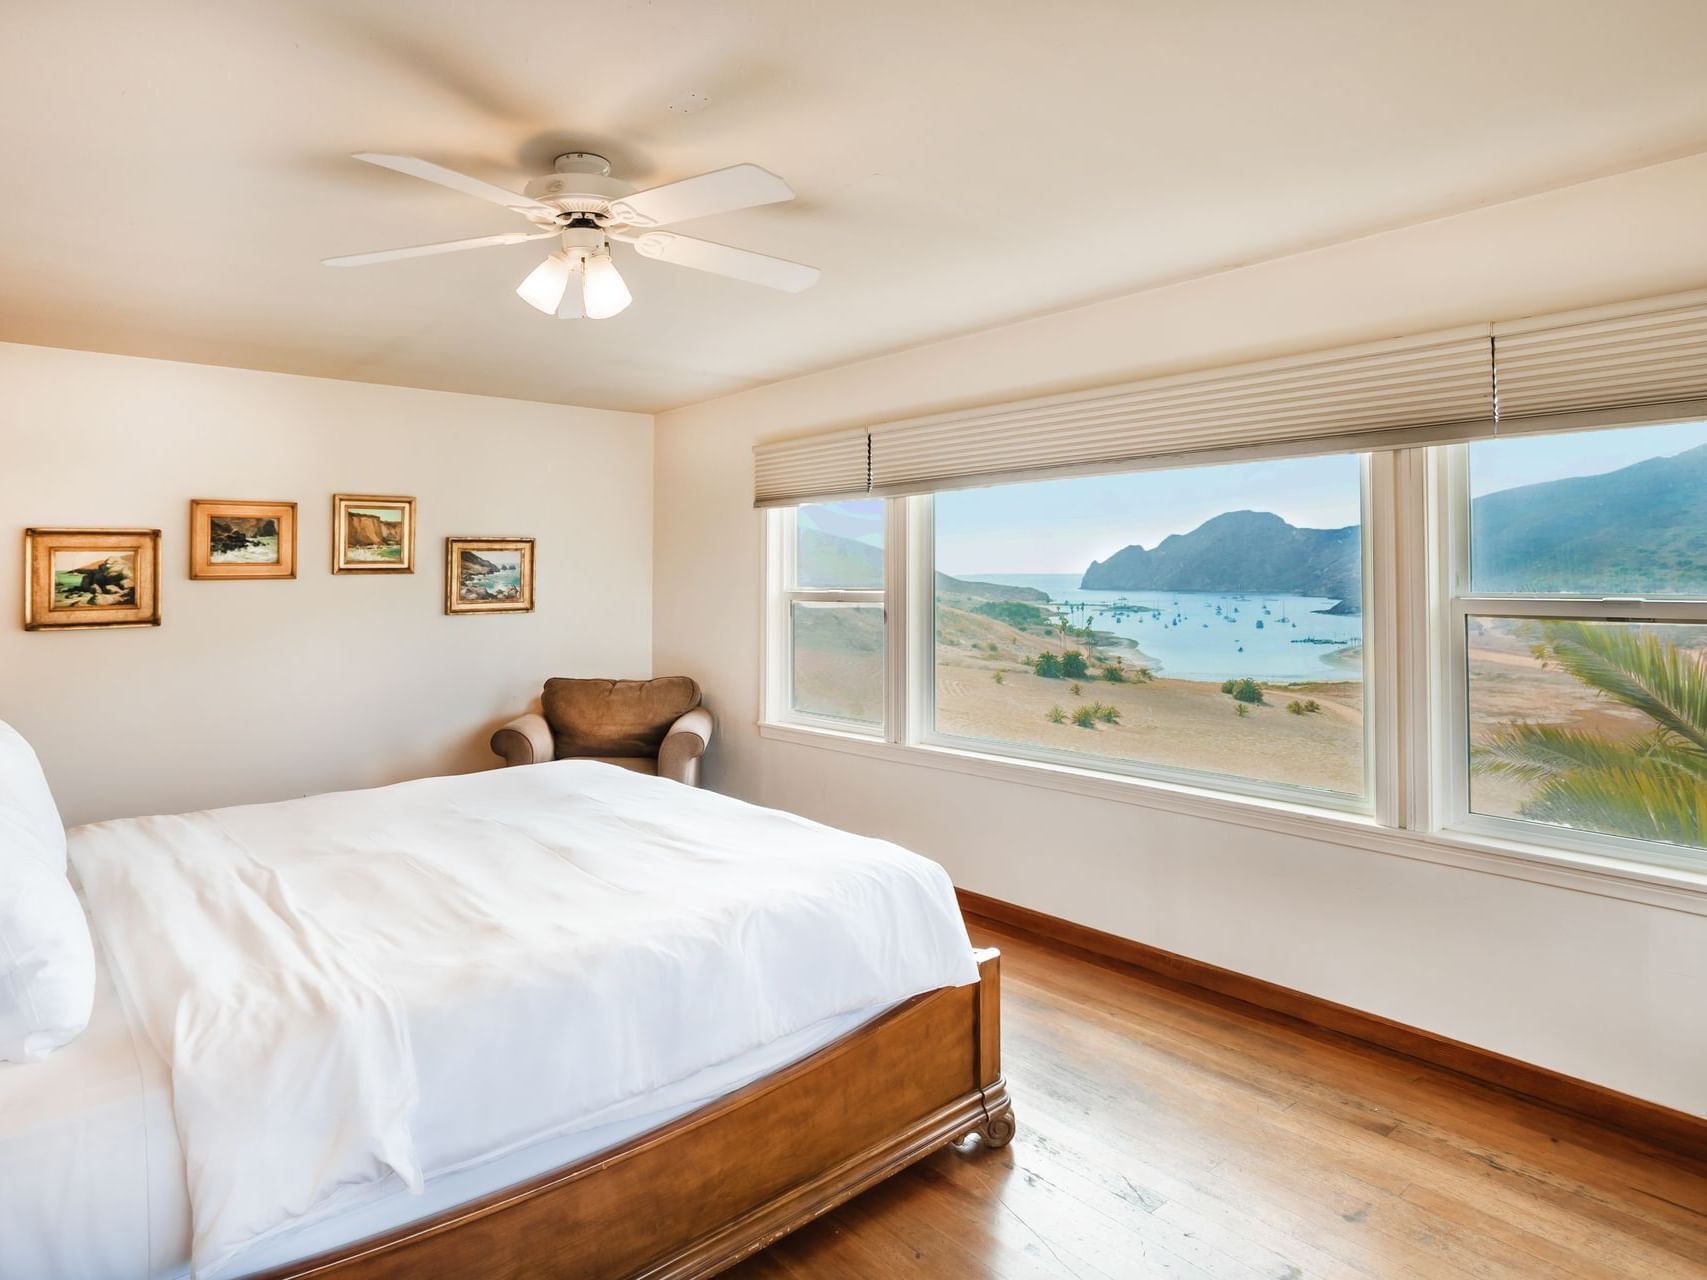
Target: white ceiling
{"x":175,"y":169}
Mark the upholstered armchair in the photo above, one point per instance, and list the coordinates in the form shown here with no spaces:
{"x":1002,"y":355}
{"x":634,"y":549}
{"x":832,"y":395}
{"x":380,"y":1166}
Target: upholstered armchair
{"x":649,"y":726}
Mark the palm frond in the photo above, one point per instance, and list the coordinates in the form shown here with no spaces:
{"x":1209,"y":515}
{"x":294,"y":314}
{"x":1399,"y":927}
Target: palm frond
{"x":1645,"y":803}
{"x":1536,"y":752}
{"x":1635,"y":667}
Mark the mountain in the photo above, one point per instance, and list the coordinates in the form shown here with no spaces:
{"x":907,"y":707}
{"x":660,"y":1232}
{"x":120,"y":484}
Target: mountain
{"x":849,"y":563}
{"x":1239,"y":551}
{"x":1642,"y":528}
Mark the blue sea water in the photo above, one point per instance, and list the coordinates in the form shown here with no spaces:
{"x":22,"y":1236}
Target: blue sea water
{"x":1212,"y":636}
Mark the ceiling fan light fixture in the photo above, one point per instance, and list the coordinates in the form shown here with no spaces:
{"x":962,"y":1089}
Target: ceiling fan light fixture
{"x":546,"y":284}
{"x":603,"y":289}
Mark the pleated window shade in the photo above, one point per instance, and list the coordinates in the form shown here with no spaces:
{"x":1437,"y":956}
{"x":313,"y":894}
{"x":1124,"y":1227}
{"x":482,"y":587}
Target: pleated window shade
{"x":1340,"y":396}
{"x":1606,"y":358}
{"x":1543,"y":373}
{"x":811,"y":469}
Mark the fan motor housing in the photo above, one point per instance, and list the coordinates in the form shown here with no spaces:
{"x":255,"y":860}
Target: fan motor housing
{"x":577,"y":193}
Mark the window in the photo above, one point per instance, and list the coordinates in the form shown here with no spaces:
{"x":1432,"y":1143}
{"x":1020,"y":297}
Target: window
{"x":1203,"y":621}
{"x":1579,"y":628}
{"x":833,"y":570}
{"x":1500,"y":641}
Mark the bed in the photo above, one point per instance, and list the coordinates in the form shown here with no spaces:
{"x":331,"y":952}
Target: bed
{"x":561,"y":1021}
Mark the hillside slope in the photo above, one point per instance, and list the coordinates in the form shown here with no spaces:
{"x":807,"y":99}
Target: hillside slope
{"x":1239,"y":551}
{"x":1642,"y":528}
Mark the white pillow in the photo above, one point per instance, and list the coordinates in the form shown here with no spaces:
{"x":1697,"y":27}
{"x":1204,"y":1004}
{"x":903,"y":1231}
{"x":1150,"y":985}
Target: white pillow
{"x":47,"y":960}
{"x":29,"y":819}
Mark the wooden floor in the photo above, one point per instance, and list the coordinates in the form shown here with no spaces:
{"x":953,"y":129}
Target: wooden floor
{"x":1166,"y":1133}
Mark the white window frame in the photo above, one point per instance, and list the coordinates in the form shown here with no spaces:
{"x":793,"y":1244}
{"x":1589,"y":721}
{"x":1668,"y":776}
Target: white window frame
{"x":1376,"y":470}
{"x":1416,"y":730}
{"x":1453,"y":605}
{"x":781,"y":593}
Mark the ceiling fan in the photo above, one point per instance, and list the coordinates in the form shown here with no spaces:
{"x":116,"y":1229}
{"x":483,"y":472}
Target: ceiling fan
{"x":584,"y":209}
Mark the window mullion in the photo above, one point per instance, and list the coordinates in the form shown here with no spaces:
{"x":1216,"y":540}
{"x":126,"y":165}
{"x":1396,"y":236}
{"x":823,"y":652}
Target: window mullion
{"x":895,"y":615}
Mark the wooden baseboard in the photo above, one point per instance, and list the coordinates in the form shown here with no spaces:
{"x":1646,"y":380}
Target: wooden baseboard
{"x":1675,"y":1131}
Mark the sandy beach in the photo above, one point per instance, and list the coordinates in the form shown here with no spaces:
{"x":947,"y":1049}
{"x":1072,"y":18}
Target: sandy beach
{"x":987,"y":690}
{"x":1184,"y":724}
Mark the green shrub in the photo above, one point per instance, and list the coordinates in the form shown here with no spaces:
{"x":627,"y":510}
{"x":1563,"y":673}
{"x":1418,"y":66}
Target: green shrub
{"x":1085,"y":717}
{"x":1057,"y":716}
{"x":1114,"y":675}
{"x":1245,"y":690}
{"x":1048,"y":666}
{"x":1305,"y":708}
{"x":1073,"y":665}
{"x":1106,"y":713}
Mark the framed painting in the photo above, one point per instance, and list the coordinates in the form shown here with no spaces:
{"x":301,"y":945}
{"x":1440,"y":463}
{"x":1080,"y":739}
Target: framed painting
{"x":488,"y":575}
{"x":372,"y":534}
{"x":242,"y":540}
{"x":79,"y":579}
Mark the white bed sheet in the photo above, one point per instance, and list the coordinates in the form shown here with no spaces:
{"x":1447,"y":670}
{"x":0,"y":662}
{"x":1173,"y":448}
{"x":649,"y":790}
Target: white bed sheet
{"x":376,"y":988}
{"x":92,"y":1180}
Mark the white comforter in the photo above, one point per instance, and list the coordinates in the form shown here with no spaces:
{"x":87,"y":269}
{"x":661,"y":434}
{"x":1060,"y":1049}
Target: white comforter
{"x":403,"y":982}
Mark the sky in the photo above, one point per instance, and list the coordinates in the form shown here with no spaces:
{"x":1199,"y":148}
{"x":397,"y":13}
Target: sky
{"x":1060,"y":526}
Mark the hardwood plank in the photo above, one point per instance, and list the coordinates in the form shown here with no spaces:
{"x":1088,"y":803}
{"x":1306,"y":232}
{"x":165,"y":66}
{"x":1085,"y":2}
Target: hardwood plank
{"x":1675,"y":1131}
{"x":1168,"y":1131}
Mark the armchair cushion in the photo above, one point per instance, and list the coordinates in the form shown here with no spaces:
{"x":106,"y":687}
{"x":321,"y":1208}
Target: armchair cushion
{"x":621,"y":718}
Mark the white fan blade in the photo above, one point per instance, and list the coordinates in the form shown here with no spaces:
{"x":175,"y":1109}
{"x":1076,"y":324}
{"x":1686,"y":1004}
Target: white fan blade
{"x":430,"y":172}
{"x":741,"y":264}
{"x":740,"y":186}
{"x":444,"y":246}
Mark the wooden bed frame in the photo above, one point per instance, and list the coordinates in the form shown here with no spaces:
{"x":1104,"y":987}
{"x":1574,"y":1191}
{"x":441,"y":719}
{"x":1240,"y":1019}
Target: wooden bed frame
{"x":699,"y":1194}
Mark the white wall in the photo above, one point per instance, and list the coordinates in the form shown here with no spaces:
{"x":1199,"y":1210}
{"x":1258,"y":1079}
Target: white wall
{"x":1593,"y":986}
{"x":263,"y":690}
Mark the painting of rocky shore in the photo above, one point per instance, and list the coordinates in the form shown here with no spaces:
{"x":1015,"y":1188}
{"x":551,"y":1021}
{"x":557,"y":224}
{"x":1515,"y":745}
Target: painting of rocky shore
{"x":103,"y":582}
{"x":243,"y":540}
{"x":82,"y":579}
{"x":488,"y":575}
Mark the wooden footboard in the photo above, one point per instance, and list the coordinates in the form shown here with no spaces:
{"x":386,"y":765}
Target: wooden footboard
{"x":696,"y":1196}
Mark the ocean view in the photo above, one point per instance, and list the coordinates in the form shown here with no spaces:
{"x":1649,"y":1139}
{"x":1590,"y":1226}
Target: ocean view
{"x":1213,"y":636}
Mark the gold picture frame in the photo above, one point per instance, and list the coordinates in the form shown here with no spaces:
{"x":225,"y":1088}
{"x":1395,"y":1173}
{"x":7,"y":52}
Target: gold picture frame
{"x":235,"y":541}
{"x":372,"y":533}
{"x":488,"y":575}
{"x":84,"y":579}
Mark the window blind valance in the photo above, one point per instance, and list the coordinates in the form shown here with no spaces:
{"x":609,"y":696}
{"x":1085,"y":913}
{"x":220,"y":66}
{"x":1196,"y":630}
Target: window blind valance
{"x":1576,"y":369}
{"x":1612,"y":357}
{"x":812,"y":469}
{"x":1435,"y":380}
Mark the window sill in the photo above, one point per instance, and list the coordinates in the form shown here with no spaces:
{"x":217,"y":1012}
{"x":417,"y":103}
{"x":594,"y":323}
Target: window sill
{"x":1653,"y":886}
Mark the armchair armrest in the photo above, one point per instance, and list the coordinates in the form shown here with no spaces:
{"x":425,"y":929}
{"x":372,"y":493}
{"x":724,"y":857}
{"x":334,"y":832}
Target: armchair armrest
{"x":525,"y":740}
{"x":684,"y":744}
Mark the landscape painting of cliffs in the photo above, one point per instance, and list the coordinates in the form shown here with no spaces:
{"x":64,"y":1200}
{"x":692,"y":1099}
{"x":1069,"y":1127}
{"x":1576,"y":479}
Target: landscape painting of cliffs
{"x":373,"y":534}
